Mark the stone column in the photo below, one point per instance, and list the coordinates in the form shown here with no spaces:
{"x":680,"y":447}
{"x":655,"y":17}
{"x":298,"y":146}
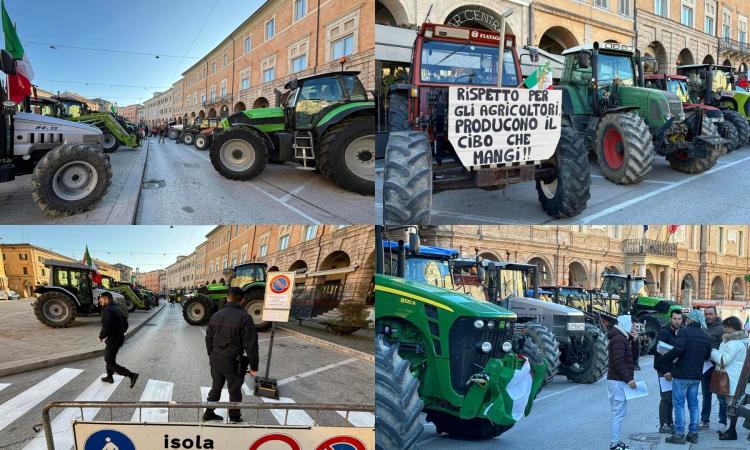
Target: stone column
{"x":667,"y":283}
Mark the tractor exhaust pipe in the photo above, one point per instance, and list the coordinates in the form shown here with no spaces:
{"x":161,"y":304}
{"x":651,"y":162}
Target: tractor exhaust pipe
{"x":595,"y":75}
{"x":379,"y":251}
{"x":401,"y":259}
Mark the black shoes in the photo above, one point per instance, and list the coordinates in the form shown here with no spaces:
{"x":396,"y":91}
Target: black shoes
{"x":692,"y":438}
{"x":729,"y":435}
{"x":133,"y":379}
{"x":619,"y":446}
{"x":675,"y":439}
{"x":108,"y":379}
{"x":210,"y":415}
{"x":666,"y":428}
{"x":636,"y":367}
{"x":235,"y":419}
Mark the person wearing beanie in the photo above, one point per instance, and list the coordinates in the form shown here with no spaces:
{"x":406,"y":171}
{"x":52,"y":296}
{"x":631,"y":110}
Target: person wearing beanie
{"x":620,"y":375}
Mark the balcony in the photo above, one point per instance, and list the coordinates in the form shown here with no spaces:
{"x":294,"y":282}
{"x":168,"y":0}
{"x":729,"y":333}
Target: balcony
{"x":734,"y":47}
{"x":219,"y":100}
{"x":649,"y":247}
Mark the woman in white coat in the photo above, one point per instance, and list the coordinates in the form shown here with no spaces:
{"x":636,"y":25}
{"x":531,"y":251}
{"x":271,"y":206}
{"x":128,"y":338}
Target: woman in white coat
{"x":731,"y":355}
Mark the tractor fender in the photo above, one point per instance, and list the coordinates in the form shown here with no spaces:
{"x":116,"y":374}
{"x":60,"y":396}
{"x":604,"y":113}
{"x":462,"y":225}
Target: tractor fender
{"x":258,"y":133}
{"x":727,"y":99}
{"x":399,"y":87}
{"x":620,"y":109}
{"x":342,"y":112}
{"x":254,"y":289}
{"x":44,"y":289}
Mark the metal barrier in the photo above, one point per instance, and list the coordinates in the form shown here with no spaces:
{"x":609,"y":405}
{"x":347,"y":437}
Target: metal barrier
{"x":258,"y":407}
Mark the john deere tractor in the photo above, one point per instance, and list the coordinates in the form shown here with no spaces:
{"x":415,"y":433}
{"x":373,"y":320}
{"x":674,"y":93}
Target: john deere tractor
{"x":444,"y":353}
{"x":70,"y":293}
{"x":115,"y":132}
{"x":625,"y":124}
{"x":199,"y":306}
{"x":325,"y":122}
{"x":421,"y":152}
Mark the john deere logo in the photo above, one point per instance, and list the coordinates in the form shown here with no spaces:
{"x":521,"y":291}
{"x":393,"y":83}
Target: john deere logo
{"x":280,"y":283}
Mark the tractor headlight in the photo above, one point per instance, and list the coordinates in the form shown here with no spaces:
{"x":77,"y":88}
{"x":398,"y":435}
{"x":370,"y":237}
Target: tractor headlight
{"x":486,"y":347}
{"x":478,"y":323}
{"x":507,"y":346}
{"x":491,"y":324}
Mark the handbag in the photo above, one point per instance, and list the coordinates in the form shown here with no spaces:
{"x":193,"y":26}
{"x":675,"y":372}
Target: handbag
{"x":720,"y":380}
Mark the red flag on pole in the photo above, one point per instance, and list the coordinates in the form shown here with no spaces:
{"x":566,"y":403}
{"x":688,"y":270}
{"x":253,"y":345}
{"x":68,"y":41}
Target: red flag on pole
{"x":672,"y":229}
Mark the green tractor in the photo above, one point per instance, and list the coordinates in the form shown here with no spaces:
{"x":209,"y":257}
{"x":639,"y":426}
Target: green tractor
{"x":115,"y":133}
{"x":132,"y":299}
{"x":198,"y":306}
{"x":447,"y":354}
{"x":624,"y":123}
{"x":711,"y":85}
{"x":325,"y":122}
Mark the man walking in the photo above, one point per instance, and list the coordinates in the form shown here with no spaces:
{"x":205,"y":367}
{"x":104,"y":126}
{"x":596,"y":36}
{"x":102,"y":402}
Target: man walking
{"x":692,"y":347}
{"x":663,"y":367}
{"x":715,"y":332}
{"x":162,"y":133}
{"x":114,"y":326}
{"x":230,"y":333}
{"x":619,"y":376}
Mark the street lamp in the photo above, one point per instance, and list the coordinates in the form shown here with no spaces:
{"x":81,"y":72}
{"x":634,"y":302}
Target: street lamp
{"x":501,"y":47}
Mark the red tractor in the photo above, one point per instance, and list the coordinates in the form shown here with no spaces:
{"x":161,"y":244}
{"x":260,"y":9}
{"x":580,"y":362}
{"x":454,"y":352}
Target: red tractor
{"x":421,"y":154}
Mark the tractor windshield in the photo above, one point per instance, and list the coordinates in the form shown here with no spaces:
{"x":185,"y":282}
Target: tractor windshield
{"x":513,"y":283}
{"x":613,"y":67}
{"x":679,"y":88}
{"x":457,"y":63}
{"x":315,"y":96}
{"x":429,"y":271}
{"x":247,"y":274}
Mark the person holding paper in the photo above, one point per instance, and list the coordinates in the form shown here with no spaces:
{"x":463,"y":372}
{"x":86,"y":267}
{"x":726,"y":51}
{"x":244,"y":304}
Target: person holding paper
{"x":663,"y":367}
{"x":619,"y":376}
{"x":715,"y":330}
{"x":731,"y":356}
{"x":692,"y":347}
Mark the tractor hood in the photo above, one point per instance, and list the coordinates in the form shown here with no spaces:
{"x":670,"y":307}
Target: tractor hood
{"x":524,"y":306}
{"x":265,"y":119}
{"x":28,"y":122}
{"x":657,"y":106}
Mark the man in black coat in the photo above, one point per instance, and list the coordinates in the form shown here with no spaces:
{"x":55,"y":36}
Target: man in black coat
{"x":715,"y":331}
{"x":230,"y":333}
{"x":114,"y":326}
{"x":667,"y":335}
{"x":692,"y":347}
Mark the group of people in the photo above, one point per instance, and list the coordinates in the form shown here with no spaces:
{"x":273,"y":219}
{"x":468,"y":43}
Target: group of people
{"x":690,"y":349}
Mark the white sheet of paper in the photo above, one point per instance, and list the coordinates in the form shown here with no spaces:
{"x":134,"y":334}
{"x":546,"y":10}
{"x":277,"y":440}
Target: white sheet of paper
{"x":639,"y":391}
{"x":707,"y":365}
{"x":663,"y":347}
{"x":664,"y":385}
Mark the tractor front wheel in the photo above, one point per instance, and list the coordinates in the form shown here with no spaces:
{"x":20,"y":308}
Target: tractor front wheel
{"x":740,"y":123}
{"x":55,"y":309}
{"x":567,"y":193}
{"x":398,"y":112}
{"x":238,"y":155}
{"x":254,"y":307}
{"x":680,"y":162}
{"x":549,"y":346}
{"x":196,"y":311}
{"x":346,"y":154}
{"x":728,"y":131}
{"x":591,"y":357}
{"x":111,"y":144}
{"x":407,"y":185}
{"x":70,"y":179}
{"x":202,"y":142}
{"x":652,"y":325}
{"x":188,"y":139}
{"x":624,"y":148}
{"x":172,"y":134}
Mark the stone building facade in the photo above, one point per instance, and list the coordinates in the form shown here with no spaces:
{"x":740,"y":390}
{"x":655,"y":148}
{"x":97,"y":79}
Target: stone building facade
{"x":24,"y":266}
{"x":3,"y":276}
{"x":151,"y":280}
{"x":711,"y":261}
{"x":158,"y":109}
{"x":125,"y":272}
{"x":129,"y":112}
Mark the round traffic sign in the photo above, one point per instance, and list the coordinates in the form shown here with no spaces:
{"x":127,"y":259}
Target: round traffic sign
{"x":280,"y":283}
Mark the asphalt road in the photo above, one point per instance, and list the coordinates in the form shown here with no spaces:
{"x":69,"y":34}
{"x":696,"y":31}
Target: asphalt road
{"x":170,"y":356}
{"x":181,"y":186}
{"x":713,"y":197}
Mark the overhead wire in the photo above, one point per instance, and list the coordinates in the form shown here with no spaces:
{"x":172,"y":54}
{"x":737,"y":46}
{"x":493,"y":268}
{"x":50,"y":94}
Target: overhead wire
{"x":200,"y":30}
{"x":54,"y":46}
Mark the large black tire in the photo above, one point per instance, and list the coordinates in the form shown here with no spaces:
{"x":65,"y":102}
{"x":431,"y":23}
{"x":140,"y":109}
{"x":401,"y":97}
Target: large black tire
{"x":624,"y":148}
{"x":397,"y":403}
{"x":595,"y":347}
{"x":202,"y":142}
{"x":547,"y":342}
{"x":532,"y":353}
{"x":131,"y":305}
{"x":253,"y":301}
{"x":110,"y":143}
{"x":407,"y":185}
{"x":398,"y":112}
{"x":467,"y":429}
{"x":188,"y":138}
{"x":70,"y":179}
{"x":740,"y":123}
{"x":55,"y":309}
{"x":566,"y":195}
{"x":346,"y":154}
{"x":728,"y":131}
{"x":197,"y":311}
{"x":681,"y":163}
{"x":238,"y":155}
{"x":653,"y":325}
{"x":173,"y":134}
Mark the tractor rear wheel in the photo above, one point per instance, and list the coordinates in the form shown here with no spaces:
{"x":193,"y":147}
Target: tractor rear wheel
{"x":653,"y":325}
{"x":130,"y":305}
{"x":172,"y":134}
{"x":70,"y":179}
{"x":398,"y":112}
{"x":547,"y":343}
{"x":55,"y":309}
{"x":346,"y":154}
{"x":566,"y":195}
{"x":532,"y":353}
{"x":202,"y":142}
{"x":727,"y":130}
{"x":682,"y":163}
{"x":188,"y":139}
{"x":253,"y":302}
{"x":196,"y":311}
{"x":110,"y":143}
{"x":740,"y":123}
{"x":468,"y":429}
{"x":238,"y":155}
{"x":397,"y":403}
{"x":624,"y":148}
{"x":407,"y":185}
{"x":594,"y":357}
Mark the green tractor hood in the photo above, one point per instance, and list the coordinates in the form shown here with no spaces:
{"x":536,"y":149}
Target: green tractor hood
{"x":214,"y":291}
{"x":268,"y":120}
{"x":654,"y":106}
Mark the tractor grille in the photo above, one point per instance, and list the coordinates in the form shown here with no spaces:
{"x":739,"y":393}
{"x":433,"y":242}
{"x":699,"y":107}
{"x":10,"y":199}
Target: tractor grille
{"x":465,"y":356}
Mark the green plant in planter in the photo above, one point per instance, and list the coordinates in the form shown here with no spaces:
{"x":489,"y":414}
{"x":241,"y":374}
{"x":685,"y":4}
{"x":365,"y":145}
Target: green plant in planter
{"x":353,"y":317}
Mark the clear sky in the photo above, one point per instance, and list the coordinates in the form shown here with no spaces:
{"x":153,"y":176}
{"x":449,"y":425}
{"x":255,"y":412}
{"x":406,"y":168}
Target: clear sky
{"x":147,"y":247}
{"x":147,"y":26}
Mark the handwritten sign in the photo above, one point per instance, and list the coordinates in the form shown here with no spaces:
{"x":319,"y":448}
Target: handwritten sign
{"x":491,"y":126}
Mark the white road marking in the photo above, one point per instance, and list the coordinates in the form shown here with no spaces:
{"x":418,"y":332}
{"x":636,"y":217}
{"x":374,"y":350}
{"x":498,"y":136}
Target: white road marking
{"x":315,"y":371}
{"x":155,"y":391}
{"x":640,"y":198}
{"x":359,"y":418}
{"x":23,"y":402}
{"x":293,"y":416}
{"x":62,"y":432}
{"x":224,"y":398}
{"x":4,"y":385}
{"x":482,"y":219}
{"x":647,"y":180}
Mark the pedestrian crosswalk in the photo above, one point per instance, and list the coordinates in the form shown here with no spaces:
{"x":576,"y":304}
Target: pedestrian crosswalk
{"x":30,"y":401}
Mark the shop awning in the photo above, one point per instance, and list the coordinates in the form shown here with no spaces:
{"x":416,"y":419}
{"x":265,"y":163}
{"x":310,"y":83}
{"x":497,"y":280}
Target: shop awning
{"x":322,"y":273}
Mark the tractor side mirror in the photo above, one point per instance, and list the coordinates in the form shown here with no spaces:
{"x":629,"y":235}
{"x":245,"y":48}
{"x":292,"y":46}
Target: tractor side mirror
{"x":7,"y":63}
{"x":414,"y":243}
{"x":292,"y":84}
{"x":584,"y":60}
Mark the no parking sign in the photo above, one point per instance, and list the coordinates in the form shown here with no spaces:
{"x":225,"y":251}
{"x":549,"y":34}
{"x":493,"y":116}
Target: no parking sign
{"x":278,"y":300}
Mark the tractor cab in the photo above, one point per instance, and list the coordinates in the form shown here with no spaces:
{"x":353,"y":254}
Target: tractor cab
{"x":71,"y":107}
{"x":245,"y":275}
{"x":676,"y":84}
{"x":707,"y":83}
{"x":429,"y":265}
{"x":310,"y":99}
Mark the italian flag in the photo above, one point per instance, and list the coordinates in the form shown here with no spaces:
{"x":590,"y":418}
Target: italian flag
{"x":87,"y":259}
{"x":541,"y":75}
{"x":19,"y":85}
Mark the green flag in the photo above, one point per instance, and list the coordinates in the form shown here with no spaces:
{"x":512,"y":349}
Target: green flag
{"x":538,"y":75}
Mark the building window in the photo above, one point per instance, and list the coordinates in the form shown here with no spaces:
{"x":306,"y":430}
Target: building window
{"x":263,"y":250}
{"x":299,"y":63}
{"x":742,"y":32}
{"x":234,"y":258}
{"x":223,"y":88}
{"x":342,"y":47}
{"x":721,"y":239}
{"x":203,"y":99}
{"x":25,"y":270}
{"x":300,"y":9}
{"x":243,"y":254}
{"x":224,"y":262}
{"x":601,"y":4}
{"x":213,"y":67}
{"x":661,"y":8}
{"x":624,"y":7}
{"x":213,"y":93}
{"x":247,"y":45}
{"x":23,"y":256}
{"x":686,"y":15}
{"x":741,"y":243}
{"x":726,"y":25}
{"x":709,"y":22}
{"x":226,"y":59}
{"x":310,"y":231}
{"x":284,"y":242}
{"x":269,"y":75}
{"x":270,"y":28}
{"x":245,"y":82}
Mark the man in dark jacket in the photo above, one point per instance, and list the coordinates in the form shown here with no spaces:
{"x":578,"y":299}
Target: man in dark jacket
{"x":230,"y":333}
{"x":114,"y":326}
{"x":692,"y":347}
{"x":619,"y":376}
{"x":715,"y":331}
{"x":663,"y":367}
